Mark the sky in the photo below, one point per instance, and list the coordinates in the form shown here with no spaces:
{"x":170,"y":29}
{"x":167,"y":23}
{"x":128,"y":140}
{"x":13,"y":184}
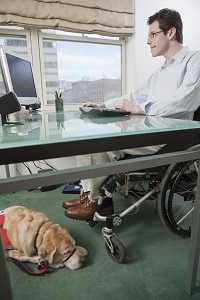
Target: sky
{"x":89,"y":61}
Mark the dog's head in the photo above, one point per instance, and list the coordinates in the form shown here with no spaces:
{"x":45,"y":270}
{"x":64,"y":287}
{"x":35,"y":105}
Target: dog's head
{"x":59,"y":250}
{"x":75,"y":259}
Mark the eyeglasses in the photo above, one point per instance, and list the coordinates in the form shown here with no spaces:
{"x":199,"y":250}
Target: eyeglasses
{"x":153,"y":35}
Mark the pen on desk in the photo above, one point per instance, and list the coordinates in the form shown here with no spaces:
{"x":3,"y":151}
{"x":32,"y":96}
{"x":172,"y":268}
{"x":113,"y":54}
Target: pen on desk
{"x":59,"y":100}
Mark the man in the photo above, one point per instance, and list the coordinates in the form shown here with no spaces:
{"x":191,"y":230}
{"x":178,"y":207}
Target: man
{"x":173,"y":91}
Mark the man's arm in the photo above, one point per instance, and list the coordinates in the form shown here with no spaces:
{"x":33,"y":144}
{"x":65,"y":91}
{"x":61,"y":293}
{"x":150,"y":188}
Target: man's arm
{"x":135,"y":103}
{"x":119,"y":103}
{"x":129,"y":106}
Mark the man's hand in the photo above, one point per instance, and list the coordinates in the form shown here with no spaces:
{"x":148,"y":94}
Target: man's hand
{"x":129,"y":107}
{"x":90,"y":104}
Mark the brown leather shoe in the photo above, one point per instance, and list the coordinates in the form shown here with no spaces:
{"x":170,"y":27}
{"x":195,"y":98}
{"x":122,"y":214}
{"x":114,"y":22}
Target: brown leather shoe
{"x":75,"y":202}
{"x":86,"y":211}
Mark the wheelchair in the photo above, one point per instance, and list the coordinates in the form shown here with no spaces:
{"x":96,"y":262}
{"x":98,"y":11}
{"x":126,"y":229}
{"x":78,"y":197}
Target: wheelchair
{"x":172,"y":187}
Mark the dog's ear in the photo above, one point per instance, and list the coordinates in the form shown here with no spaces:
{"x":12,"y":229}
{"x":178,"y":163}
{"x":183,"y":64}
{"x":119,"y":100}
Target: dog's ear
{"x":51,"y":256}
{"x":47,"y":254}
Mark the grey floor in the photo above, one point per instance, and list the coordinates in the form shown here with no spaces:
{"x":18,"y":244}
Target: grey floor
{"x":155,"y":269}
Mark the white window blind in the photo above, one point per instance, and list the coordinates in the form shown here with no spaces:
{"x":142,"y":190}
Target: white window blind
{"x":106,"y":17}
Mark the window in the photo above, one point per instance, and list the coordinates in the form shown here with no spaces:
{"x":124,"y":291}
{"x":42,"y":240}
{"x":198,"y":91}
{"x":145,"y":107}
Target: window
{"x":17,"y":45}
{"x":85,"y":71}
{"x":86,"y":67}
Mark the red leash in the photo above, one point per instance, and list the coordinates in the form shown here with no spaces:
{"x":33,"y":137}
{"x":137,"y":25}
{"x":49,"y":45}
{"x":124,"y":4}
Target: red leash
{"x":31,"y":269}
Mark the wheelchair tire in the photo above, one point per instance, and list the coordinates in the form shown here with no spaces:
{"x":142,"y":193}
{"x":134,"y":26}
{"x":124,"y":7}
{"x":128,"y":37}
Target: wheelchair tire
{"x":119,"y":250}
{"x":91,"y":223}
{"x":177,"y":195}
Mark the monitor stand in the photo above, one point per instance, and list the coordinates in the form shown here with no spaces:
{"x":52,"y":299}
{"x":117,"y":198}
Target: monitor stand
{"x":4,"y":121}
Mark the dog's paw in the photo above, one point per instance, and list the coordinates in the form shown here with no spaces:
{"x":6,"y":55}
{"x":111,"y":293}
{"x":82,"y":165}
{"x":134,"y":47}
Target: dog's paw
{"x":14,"y":254}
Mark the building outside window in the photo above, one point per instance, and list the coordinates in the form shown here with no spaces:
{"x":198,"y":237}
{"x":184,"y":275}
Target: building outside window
{"x":84,"y":71}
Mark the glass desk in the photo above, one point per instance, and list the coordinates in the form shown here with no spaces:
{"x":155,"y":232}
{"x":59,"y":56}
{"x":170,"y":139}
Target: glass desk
{"x":48,"y":135}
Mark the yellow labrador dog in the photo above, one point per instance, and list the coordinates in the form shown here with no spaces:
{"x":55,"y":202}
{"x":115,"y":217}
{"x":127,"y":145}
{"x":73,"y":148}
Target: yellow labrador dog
{"x":34,"y":238}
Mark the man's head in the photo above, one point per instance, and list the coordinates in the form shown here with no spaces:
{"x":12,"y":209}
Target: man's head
{"x":165,"y":31}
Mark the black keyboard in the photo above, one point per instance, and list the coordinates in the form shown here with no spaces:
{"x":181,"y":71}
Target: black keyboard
{"x":102,"y":111}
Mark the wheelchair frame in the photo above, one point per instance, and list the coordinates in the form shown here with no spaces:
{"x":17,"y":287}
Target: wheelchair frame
{"x":159,"y":181}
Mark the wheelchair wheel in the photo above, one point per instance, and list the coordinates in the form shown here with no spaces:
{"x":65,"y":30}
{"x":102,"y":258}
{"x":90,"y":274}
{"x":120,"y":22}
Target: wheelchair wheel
{"x":118,"y":253}
{"x":91,"y":223}
{"x":175,"y":205}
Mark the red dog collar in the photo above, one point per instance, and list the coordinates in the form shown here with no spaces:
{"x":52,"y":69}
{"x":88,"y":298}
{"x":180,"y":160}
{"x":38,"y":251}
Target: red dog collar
{"x":3,"y":232}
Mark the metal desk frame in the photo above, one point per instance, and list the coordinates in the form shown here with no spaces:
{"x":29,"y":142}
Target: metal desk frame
{"x":69,"y":148}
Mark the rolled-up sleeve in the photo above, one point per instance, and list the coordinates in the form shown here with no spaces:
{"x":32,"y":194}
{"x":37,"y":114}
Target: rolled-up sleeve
{"x":139,"y":97}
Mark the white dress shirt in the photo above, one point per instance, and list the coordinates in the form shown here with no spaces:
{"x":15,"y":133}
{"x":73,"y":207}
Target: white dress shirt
{"x":174,"y":89}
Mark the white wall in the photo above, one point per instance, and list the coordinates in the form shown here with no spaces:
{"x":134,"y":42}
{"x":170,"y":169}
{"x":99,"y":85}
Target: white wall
{"x":140,"y":64}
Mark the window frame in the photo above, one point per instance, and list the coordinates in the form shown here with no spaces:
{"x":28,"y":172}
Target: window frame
{"x":35,"y":38}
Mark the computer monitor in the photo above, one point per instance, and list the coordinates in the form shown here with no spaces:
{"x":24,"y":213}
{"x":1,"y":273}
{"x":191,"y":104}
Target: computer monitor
{"x":18,"y":78}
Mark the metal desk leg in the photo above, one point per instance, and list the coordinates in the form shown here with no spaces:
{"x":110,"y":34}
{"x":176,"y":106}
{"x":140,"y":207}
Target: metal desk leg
{"x":195,"y":243}
{"x":7,"y":169}
{"x":5,"y":288}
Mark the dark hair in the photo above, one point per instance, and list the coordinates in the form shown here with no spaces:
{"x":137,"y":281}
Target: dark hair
{"x":168,"y":18}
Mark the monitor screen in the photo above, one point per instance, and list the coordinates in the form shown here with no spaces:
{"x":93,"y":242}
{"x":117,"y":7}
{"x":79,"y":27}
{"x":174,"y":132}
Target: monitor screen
{"x":18,"y":77}
{"x":21,"y":76}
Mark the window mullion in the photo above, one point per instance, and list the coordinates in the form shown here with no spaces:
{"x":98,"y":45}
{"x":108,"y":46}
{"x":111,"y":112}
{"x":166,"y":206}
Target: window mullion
{"x":123,"y":67}
{"x":33,"y":42}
